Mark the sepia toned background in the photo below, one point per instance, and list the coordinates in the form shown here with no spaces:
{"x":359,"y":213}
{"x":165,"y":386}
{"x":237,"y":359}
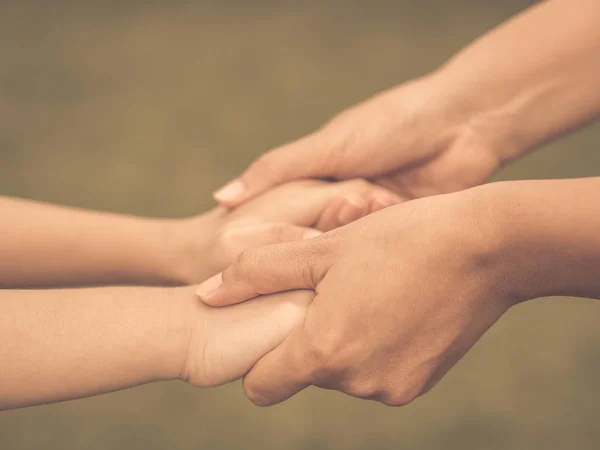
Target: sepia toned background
{"x":146,"y":107}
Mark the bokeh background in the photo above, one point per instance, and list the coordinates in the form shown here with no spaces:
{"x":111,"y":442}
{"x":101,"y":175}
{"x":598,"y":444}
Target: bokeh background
{"x":146,"y":107}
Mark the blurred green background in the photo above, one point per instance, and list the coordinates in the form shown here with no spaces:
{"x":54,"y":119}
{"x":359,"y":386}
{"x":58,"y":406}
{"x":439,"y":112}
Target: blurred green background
{"x":146,"y":108}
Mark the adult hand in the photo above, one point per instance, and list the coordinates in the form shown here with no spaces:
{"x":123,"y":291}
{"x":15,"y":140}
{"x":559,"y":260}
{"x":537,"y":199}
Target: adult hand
{"x":298,"y":210}
{"x":412,"y":139}
{"x":404,"y":293}
{"x":401,"y":296}
{"x":449,"y":130}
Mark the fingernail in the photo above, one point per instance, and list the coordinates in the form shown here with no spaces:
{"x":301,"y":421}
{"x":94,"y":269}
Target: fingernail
{"x":356,"y":200}
{"x":209,"y":286}
{"x":351,"y":209}
{"x":230,"y":192}
{"x":309,"y":234}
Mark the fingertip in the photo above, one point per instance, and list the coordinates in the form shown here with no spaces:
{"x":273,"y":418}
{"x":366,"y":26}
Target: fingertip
{"x":233,"y":193}
{"x":377,"y":204}
{"x":354,"y":207}
{"x":356,"y":200}
{"x":254,"y":397}
{"x":382,"y":200}
{"x":278,"y":375}
{"x":311,"y":233}
{"x":329,"y":218}
{"x":267,"y":390}
{"x":207,"y":290}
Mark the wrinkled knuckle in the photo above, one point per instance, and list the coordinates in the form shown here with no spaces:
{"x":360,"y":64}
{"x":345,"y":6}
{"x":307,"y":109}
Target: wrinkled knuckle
{"x":322,"y":251}
{"x":245,"y":260}
{"x":303,"y":262}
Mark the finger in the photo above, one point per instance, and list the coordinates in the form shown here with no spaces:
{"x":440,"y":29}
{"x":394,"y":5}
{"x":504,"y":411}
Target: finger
{"x":381,"y":200}
{"x":354,"y":208}
{"x":279,"y":374}
{"x":300,"y":159}
{"x":268,"y":234}
{"x":343,"y":211}
{"x":329,"y":217}
{"x":267,"y":321}
{"x":266,"y":270}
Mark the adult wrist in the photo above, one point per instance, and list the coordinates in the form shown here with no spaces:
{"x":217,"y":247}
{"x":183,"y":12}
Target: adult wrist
{"x":545,"y":238}
{"x":480,"y":113}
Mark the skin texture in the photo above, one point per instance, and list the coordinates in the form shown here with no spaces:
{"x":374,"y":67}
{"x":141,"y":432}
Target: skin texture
{"x":66,"y":344}
{"x":265,"y":220}
{"x":45,"y":245}
{"x":403,"y":294}
{"x":513,"y":89}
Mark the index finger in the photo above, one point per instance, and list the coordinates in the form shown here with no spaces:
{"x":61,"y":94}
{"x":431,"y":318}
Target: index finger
{"x":302,"y":158}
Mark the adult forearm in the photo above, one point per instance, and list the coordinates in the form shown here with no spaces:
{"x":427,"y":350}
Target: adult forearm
{"x":66,"y":344}
{"x":48,"y":245}
{"x":529,"y":80}
{"x":546,"y":239}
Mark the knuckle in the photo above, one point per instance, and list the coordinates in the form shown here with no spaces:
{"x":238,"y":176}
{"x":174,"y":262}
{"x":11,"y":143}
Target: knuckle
{"x":323,"y":354}
{"x":228,"y":242}
{"x":237,"y":271}
{"x":320,"y":354}
{"x":245,"y":258}
{"x":300,"y":260}
{"x":322,"y":251}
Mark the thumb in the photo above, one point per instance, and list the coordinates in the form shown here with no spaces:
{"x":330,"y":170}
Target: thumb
{"x":281,"y":373}
{"x":267,"y":270}
{"x":299,"y":159}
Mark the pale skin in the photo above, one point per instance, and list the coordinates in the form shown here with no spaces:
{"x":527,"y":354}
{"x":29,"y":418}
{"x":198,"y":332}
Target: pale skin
{"x":67,"y":344}
{"x":517,"y":87}
{"x":71,"y":343}
{"x":47,"y":245}
{"x":404,"y":293}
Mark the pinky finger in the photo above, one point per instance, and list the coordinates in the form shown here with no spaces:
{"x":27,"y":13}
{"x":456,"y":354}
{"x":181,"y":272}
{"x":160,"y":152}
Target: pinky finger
{"x":382,"y":200}
{"x":329,"y":218}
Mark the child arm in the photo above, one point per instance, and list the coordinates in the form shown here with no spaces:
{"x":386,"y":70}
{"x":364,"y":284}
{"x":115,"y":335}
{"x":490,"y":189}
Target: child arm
{"x":68,"y":344}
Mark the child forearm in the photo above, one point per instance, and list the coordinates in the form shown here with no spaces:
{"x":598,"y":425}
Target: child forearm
{"x":44,"y":245}
{"x":48,"y":245}
{"x":66,"y":344}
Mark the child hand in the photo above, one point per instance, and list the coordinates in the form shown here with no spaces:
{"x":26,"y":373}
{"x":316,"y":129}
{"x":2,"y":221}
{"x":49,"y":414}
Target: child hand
{"x":286,"y":213}
{"x":224,"y":343}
